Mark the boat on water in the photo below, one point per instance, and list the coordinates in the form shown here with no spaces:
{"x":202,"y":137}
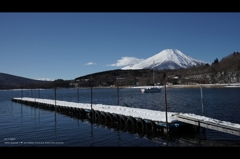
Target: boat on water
{"x":151,"y":90}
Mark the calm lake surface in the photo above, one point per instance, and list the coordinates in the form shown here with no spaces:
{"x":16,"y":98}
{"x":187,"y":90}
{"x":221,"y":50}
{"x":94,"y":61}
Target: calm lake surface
{"x":24,"y":126}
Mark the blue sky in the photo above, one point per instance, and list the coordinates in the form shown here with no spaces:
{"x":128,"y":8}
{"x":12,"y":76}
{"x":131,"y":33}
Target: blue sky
{"x":64,"y":45}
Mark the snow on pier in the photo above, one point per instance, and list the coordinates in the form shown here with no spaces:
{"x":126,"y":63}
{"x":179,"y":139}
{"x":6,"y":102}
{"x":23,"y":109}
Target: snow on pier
{"x":152,"y":117}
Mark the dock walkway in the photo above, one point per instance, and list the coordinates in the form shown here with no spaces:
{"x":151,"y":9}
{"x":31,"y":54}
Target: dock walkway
{"x":135,"y":117}
{"x":209,"y":123}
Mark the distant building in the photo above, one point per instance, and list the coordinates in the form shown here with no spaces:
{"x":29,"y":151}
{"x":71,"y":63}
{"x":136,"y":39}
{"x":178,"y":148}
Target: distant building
{"x":174,"y":79}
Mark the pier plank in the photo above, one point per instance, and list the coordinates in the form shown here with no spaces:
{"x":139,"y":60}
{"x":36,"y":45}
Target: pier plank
{"x":157,"y":117}
{"x":208,"y":124}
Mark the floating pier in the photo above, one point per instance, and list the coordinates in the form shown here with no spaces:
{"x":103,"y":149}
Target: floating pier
{"x":222,"y":126}
{"x":133,"y":119}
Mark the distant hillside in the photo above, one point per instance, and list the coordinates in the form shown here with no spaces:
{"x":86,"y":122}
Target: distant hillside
{"x":8,"y":81}
{"x":227,"y":70}
{"x":121,"y":77}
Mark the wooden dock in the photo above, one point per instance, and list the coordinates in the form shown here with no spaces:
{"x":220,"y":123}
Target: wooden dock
{"x":208,"y":124}
{"x":128,"y":120}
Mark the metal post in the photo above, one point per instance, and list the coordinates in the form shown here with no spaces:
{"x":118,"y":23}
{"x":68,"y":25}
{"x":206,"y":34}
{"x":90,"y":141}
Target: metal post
{"x":55,"y":96}
{"x":38,"y":92}
{"x":91,"y":96}
{"x":118,"y":92}
{"x":78,"y":94}
{"x":165,"y":99}
{"x":119,"y":78}
{"x":31,"y":93}
{"x":21,"y":93}
{"x":153,"y":77}
{"x":153,"y":71}
{"x":202,"y":100}
{"x":34,"y":93}
{"x":91,"y":91}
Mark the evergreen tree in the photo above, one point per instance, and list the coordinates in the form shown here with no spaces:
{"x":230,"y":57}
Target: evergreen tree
{"x":215,"y":61}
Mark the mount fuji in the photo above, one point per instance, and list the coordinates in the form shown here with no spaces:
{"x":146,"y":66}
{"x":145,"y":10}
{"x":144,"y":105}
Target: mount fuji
{"x":167,"y":59}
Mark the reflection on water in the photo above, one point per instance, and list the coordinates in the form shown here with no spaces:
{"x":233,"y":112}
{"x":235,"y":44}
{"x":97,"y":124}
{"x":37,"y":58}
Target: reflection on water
{"x":29,"y":126}
{"x":92,"y":144}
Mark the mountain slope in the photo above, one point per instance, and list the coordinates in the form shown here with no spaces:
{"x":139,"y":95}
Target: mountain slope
{"x":167,"y":59}
{"x":12,"y":81}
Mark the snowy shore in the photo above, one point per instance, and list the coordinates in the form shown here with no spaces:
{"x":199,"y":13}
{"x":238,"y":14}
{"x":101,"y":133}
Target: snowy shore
{"x":205,"y":85}
{"x":196,"y":86}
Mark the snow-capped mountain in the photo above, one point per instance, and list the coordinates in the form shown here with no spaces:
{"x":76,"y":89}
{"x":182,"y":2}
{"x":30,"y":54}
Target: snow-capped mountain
{"x":167,"y":59}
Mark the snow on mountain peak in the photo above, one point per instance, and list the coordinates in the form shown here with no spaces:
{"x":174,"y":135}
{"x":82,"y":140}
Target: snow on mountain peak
{"x":167,"y":59}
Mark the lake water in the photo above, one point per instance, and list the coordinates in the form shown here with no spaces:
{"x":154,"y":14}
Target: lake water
{"x":24,"y":126}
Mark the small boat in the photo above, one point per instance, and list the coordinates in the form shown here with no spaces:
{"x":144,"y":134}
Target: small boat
{"x":151,"y":90}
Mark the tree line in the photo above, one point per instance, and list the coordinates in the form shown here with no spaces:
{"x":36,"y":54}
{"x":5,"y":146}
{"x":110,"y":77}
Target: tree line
{"x":227,"y":70}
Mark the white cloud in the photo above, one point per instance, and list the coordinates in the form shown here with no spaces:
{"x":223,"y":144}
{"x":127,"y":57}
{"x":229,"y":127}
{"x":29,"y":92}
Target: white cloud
{"x":90,"y":63}
{"x":125,"y":61}
{"x":44,"y":79}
